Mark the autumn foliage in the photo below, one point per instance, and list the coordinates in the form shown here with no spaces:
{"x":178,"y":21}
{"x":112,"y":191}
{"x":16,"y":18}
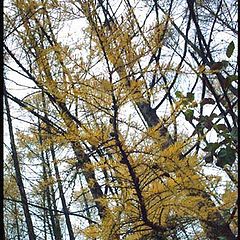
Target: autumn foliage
{"x":128,"y":123}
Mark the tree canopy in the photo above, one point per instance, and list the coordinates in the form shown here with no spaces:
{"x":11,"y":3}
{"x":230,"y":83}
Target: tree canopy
{"x":121,"y":119}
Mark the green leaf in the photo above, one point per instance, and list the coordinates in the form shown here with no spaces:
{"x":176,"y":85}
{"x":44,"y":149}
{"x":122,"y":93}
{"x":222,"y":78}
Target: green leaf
{"x":232,"y":78}
{"x":225,"y":83}
{"x":220,"y":127}
{"x":220,"y":116}
{"x":225,"y":63}
{"x":230,"y":49}
{"x":189,"y":115}
{"x":228,"y":81}
{"x":213,"y":115}
{"x":217,"y":66}
{"x":208,"y":158}
{"x":185,"y":102}
{"x":226,"y":156}
{"x":222,"y":238}
{"x":199,"y":127}
{"x":190,"y":96}
{"x":211,"y":147}
{"x":234,"y":134}
{"x":179,"y":94}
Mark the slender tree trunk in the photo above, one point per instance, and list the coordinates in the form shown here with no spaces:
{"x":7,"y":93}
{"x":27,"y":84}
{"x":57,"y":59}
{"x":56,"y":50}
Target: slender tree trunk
{"x":55,"y":224}
{"x":52,"y":202}
{"x":49,"y":226}
{"x":59,"y":181}
{"x":85,"y":202}
{"x":45,"y":217}
{"x":17,"y":224}
{"x":82,"y":158}
{"x":62,"y":197}
{"x":63,"y":200}
{"x":23,"y":196}
{"x":90,"y":177}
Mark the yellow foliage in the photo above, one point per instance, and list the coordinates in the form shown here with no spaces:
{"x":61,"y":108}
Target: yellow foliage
{"x":10,"y":188}
{"x":229,"y":199}
{"x":91,"y":232}
{"x":201,"y":68}
{"x":43,"y":184}
{"x":107,"y":86}
{"x":156,"y":187}
{"x":154,"y":180}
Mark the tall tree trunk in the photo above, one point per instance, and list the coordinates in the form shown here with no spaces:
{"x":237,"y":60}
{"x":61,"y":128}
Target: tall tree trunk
{"x":16,"y":220}
{"x":45,"y":217}
{"x":23,"y":196}
{"x":90,"y":177}
{"x":52,"y":203}
{"x":59,"y":181}
{"x":53,"y":218}
{"x":85,"y":202}
{"x":82,"y":158}
{"x":62,"y":197}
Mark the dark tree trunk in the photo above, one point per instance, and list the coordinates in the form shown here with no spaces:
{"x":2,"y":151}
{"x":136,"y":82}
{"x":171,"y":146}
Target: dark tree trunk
{"x":63,"y":200}
{"x":52,"y":203}
{"x":17,"y":224}
{"x":60,"y":187}
{"x":90,"y":177}
{"x":54,"y":220}
{"x":23,"y":196}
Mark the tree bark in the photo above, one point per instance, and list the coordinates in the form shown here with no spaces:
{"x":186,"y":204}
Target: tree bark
{"x":58,"y":177}
{"x":54,"y":222}
{"x":23,"y":196}
{"x":62,"y":197}
{"x":90,"y":177}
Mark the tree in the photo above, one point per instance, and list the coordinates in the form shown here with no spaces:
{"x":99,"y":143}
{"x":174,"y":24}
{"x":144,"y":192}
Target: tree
{"x":116,"y":100}
{"x":18,"y":175}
